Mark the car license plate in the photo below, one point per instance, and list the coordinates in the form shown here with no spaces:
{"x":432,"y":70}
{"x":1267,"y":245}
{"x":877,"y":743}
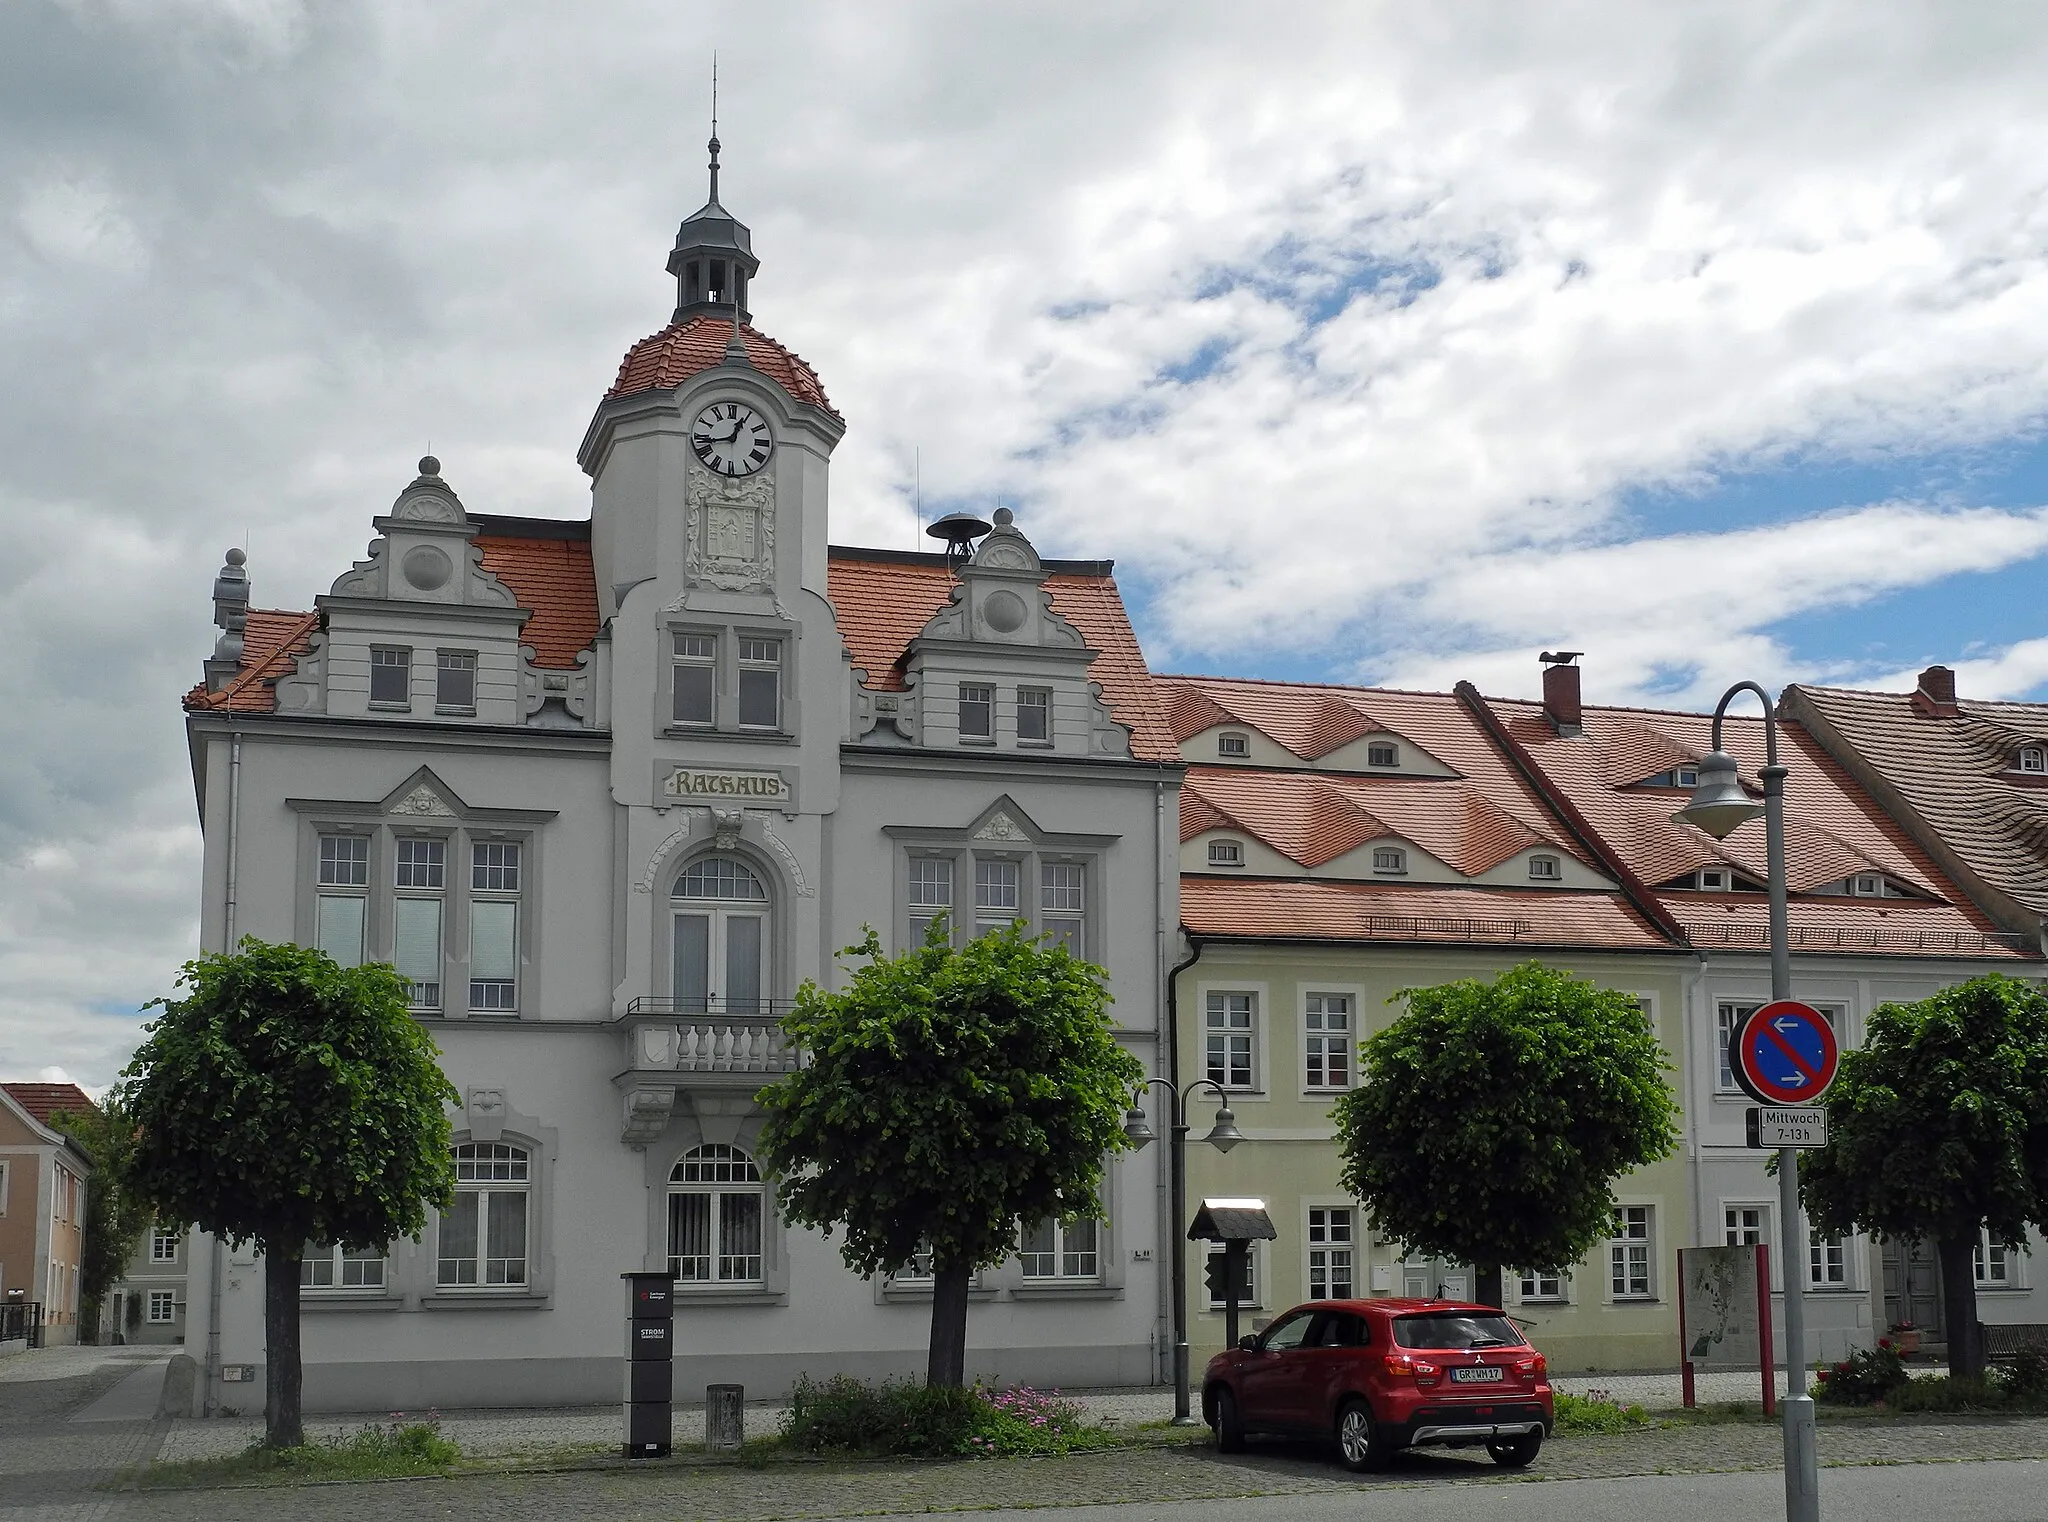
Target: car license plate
{"x":1481,"y":1374}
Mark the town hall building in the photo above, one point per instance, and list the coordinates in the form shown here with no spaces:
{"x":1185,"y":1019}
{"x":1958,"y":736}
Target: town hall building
{"x":607,"y":792}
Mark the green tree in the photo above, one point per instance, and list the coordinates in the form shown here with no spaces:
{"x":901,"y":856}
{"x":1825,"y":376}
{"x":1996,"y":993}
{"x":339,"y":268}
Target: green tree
{"x":948,"y":1094}
{"x":1938,"y":1128}
{"x":1491,"y":1120}
{"x":115,"y":1218}
{"x":284,"y":1100}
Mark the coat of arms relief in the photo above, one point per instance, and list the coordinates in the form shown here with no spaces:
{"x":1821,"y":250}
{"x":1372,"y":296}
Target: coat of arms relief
{"x":732,"y":531}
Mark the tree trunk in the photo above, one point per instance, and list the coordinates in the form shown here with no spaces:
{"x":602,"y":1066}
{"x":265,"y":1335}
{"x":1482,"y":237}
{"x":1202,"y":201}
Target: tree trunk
{"x":947,"y":1364}
{"x":1959,"y":1305}
{"x":282,"y":1375}
{"x":1486,"y":1285}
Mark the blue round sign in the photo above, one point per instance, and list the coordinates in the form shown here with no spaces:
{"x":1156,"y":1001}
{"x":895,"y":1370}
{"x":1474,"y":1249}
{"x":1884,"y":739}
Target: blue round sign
{"x":1785,"y":1054}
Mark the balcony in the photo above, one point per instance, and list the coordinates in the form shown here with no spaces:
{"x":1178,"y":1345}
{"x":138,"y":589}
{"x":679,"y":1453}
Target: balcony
{"x":699,"y":1045}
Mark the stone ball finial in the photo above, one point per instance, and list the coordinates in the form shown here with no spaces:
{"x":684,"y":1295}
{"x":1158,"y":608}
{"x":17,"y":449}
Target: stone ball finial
{"x":236,"y":557}
{"x":1004,"y":517}
{"x":429,"y":466}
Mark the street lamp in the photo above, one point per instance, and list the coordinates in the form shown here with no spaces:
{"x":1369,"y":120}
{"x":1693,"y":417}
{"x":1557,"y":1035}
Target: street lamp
{"x":1223,"y":1135}
{"x":1718,"y":805}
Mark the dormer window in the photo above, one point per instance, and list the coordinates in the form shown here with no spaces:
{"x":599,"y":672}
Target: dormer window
{"x":1862,"y":885}
{"x":1382,"y":753}
{"x":1226,"y":853}
{"x":977,"y":711}
{"x":1546,"y":869}
{"x":1389,"y":860}
{"x":1678,"y":776}
{"x":390,"y":676}
{"x":1713,"y":880}
{"x":1233,"y":745}
{"x":2032,"y":758}
{"x":1867,"y":885}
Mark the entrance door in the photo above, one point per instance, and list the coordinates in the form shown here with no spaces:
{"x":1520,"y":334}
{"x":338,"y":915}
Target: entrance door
{"x":1912,"y":1287}
{"x":721,"y":939}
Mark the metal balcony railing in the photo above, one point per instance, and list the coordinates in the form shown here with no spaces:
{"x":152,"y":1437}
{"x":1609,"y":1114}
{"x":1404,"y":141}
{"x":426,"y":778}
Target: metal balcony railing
{"x":21,"y":1320}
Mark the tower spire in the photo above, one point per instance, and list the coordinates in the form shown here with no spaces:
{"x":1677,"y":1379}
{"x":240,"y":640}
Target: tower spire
{"x":714,"y":129}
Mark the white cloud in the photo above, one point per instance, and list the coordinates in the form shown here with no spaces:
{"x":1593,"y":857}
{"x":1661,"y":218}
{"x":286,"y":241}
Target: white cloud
{"x":1354,"y":331}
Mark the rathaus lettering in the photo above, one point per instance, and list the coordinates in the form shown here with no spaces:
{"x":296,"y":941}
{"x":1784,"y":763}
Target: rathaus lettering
{"x":682,"y":784}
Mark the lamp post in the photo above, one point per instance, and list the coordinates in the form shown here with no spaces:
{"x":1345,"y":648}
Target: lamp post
{"x":1223,"y":1135}
{"x":1719,"y":803}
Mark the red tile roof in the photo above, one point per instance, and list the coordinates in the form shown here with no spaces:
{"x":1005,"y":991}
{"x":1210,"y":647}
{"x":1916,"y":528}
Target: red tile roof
{"x":552,"y":577}
{"x":1833,"y":829}
{"x":1321,"y":910}
{"x":270,"y":644}
{"x":664,"y":360}
{"x":1308,"y":720}
{"x":1957,"y":775}
{"x":42,"y":1100}
{"x":885,"y":598}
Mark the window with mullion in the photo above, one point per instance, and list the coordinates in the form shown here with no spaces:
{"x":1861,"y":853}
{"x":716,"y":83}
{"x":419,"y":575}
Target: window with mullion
{"x":716,"y":1217}
{"x":1231,"y":1039}
{"x":419,"y":877}
{"x":483,"y":1238}
{"x":696,"y":679}
{"x":326,"y":1266}
{"x":1061,"y":1250}
{"x":1329,"y":1253}
{"x":1629,"y":1254}
{"x":1063,"y":903}
{"x":341,"y":897}
{"x":1326,"y":1041}
{"x":495,"y":872}
{"x":998,"y":897}
{"x":760,"y":679}
{"x":931,"y":894}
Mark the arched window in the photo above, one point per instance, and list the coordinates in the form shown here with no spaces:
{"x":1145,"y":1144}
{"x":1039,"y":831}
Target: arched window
{"x":483,"y":1239}
{"x":721,"y":938}
{"x":715,"y":1203}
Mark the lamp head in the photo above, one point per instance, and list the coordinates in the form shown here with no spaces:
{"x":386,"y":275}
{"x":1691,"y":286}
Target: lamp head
{"x":1137,"y":1130}
{"x":1224,"y":1134}
{"x":1719,"y":803}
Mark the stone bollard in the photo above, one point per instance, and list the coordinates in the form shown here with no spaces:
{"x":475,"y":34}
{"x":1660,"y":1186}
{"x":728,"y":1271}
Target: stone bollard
{"x":725,"y":1416}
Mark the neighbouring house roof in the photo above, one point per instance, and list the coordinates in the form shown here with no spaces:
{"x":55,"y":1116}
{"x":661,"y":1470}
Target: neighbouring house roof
{"x":42,"y":1100}
{"x":663,"y":361}
{"x":885,"y":598}
{"x":1956,"y":773}
{"x":1309,"y":720}
{"x":1319,"y":909}
{"x":1833,"y":829}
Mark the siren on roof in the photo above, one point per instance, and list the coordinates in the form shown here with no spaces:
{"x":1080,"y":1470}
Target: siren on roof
{"x":959,"y":531}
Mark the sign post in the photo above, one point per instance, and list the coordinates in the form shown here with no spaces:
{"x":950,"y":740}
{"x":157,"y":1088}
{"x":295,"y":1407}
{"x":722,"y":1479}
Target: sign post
{"x":1784,"y":1058}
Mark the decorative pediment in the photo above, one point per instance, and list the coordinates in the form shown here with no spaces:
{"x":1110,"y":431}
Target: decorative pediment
{"x":424,"y":796}
{"x":1000,"y":826}
{"x":423,"y":800}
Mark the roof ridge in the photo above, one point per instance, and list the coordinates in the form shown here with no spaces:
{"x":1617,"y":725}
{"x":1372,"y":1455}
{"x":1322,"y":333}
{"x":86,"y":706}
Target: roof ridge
{"x":1272,"y":681}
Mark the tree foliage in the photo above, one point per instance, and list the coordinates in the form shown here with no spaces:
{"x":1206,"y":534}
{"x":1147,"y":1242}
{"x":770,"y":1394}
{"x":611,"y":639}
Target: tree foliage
{"x":1491,"y":1120}
{"x":948,"y":1094}
{"x":1938,"y":1128}
{"x":285,"y":1100}
{"x":115,"y":1216}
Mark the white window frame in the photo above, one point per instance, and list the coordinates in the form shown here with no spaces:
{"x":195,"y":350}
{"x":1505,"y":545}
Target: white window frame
{"x":1725,"y":1026}
{"x":1382,"y":753}
{"x":1319,"y":1040}
{"x":1074,"y":1254}
{"x":163,"y":1307}
{"x":1038,"y":701}
{"x":1233,"y":745}
{"x":1817,"y":1251}
{"x":757,"y":655}
{"x":1226,"y":853}
{"x":403,"y":666}
{"x":1255,"y":1265}
{"x":341,"y":1265}
{"x":1330,"y":1251}
{"x":1622,"y":1248}
{"x":1063,"y":894}
{"x":1530,"y":1287}
{"x":157,"y":1243}
{"x":430,"y":885}
{"x":922,"y":911}
{"x":457,"y":665}
{"x":701,"y":656}
{"x":2031,"y":758}
{"x":499,"y":880}
{"x":1748,"y":1223}
{"x":1546,"y":868}
{"x":742,"y":1180}
{"x":516,"y":1160}
{"x":1390,"y":861}
{"x":341,"y":879}
{"x":1217,"y":1024}
{"x":984,"y":699}
{"x":1988,"y":1254}
{"x":990,"y":913}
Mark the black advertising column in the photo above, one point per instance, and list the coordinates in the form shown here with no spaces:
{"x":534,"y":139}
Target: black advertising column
{"x":650,"y":1364}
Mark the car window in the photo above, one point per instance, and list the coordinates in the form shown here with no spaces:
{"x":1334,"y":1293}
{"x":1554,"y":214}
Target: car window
{"x":1455,"y":1331}
{"x":1338,"y":1329}
{"x":1286,"y":1334}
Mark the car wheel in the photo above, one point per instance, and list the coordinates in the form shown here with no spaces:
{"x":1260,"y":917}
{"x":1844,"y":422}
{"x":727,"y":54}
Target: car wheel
{"x":1229,"y":1424}
{"x":1361,"y":1442}
{"x":1515,"y":1452}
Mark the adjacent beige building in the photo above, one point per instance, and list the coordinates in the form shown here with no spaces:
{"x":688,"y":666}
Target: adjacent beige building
{"x":42,"y":1206}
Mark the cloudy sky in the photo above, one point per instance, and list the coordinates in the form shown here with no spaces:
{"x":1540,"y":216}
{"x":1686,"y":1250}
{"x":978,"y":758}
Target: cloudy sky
{"x":1383,"y":343}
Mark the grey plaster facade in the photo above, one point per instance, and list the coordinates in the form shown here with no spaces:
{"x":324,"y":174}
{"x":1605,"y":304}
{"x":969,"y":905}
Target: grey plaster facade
{"x":606,"y":878}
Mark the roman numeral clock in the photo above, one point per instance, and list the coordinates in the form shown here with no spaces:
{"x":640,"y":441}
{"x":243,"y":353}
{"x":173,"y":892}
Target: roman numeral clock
{"x":732,"y":439}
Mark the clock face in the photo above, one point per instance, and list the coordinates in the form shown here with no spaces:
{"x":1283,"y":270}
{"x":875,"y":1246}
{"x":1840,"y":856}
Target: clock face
{"x":732,"y":439}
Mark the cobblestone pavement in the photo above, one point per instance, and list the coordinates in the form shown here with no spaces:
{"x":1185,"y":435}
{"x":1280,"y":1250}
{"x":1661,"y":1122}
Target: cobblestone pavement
{"x":736,"y":1493}
{"x":48,"y":1463}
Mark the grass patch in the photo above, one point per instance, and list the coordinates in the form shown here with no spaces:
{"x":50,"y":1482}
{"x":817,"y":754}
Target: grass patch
{"x":1586,"y":1414}
{"x":376,"y":1451}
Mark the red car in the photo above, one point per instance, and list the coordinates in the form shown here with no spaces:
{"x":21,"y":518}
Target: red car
{"x":1379,"y":1375}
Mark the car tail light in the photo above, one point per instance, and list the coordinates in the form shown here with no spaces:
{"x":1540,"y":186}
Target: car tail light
{"x":1535,"y":1364}
{"x":1405,"y":1366}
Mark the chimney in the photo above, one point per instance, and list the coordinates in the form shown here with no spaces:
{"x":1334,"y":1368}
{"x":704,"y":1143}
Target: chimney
{"x":1935,"y":697}
{"x":1561,"y":691}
